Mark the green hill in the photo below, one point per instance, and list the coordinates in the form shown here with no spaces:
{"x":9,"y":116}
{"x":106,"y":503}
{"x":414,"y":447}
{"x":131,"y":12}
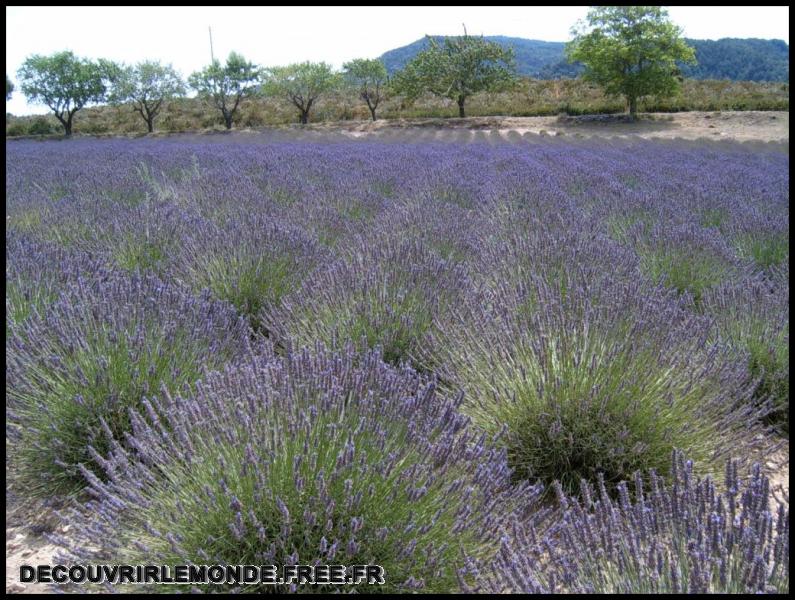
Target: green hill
{"x":728,"y":58}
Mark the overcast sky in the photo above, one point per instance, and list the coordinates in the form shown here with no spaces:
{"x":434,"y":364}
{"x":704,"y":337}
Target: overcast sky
{"x":272,"y":36}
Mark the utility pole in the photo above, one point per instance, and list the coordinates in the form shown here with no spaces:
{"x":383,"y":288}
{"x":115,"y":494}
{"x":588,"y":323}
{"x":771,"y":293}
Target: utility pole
{"x":212,"y":57}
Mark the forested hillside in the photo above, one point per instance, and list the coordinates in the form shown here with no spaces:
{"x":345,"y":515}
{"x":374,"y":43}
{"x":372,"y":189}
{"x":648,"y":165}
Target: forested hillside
{"x":728,"y":58}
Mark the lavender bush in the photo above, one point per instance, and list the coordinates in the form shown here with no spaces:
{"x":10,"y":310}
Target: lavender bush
{"x":452,"y":233}
{"x":760,"y":235}
{"x":96,"y":352}
{"x":753,"y":317}
{"x":250,"y":262}
{"x":36,"y":272}
{"x":598,"y":302}
{"x":687,"y":259}
{"x":313,"y":458}
{"x":689,"y":536}
{"x":596,"y":377}
{"x":148,"y":237}
{"x":384,"y":294}
{"x":765,"y":251}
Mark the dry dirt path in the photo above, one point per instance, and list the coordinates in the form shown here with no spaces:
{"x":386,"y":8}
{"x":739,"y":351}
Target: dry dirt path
{"x":761,"y":126}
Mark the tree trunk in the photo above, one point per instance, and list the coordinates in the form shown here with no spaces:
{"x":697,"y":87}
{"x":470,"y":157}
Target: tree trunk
{"x":303,"y":118}
{"x":461,"y":100}
{"x":62,"y":122}
{"x":67,"y":126}
{"x":228,"y":121}
{"x":372,"y":112}
{"x":633,"y":107}
{"x":150,"y":123}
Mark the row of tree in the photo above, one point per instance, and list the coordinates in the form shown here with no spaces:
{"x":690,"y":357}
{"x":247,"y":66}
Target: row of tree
{"x":630,"y":50}
{"x":66,"y":83}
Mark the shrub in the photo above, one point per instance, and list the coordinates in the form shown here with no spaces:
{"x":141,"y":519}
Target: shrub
{"x":40,"y":126}
{"x":146,"y":234}
{"x":384,"y":294}
{"x":690,"y":537}
{"x":311,"y":458}
{"x":36,"y":273}
{"x":764,"y":248}
{"x":714,"y":217}
{"x":526,"y":250}
{"x":250,"y":262}
{"x":752,"y":316}
{"x":629,"y":225}
{"x":95,"y":353}
{"x":132,"y":253}
{"x":686,"y":259}
{"x":16,"y":128}
{"x":451,"y":232}
{"x":684,"y":271}
{"x":592,"y":377}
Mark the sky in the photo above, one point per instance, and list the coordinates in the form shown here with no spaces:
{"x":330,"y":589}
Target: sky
{"x":273,"y":35}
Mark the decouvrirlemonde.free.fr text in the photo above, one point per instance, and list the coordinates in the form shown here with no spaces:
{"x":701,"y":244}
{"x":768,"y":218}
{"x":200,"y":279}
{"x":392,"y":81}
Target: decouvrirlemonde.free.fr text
{"x":205,"y":574}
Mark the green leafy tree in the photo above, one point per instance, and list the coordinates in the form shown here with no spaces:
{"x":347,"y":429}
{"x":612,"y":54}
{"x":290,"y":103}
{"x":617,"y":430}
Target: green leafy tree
{"x":301,"y":84}
{"x":369,"y":78}
{"x":226,"y":85}
{"x":9,"y":88}
{"x":458,"y":68}
{"x":110,"y":72}
{"x":147,"y":86}
{"x":631,"y":51}
{"x":64,"y":82}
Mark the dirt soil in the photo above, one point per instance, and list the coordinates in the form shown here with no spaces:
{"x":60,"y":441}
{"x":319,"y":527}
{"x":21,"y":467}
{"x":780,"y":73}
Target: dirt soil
{"x":27,"y":523}
{"x":763,"y":126}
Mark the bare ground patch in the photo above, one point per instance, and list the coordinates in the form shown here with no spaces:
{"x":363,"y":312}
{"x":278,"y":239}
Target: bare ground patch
{"x":27,"y":523}
{"x":761,"y":126}
{"x":743,"y":126}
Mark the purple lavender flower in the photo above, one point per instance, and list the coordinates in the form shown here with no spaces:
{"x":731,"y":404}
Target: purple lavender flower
{"x":695,"y":548}
{"x":103,"y":347}
{"x":405,"y":434}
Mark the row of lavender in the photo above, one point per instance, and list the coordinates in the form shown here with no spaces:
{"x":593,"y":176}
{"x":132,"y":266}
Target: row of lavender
{"x":395,"y":352}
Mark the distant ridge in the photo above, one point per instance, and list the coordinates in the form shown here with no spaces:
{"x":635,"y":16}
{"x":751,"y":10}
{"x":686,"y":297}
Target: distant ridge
{"x":728,"y":58}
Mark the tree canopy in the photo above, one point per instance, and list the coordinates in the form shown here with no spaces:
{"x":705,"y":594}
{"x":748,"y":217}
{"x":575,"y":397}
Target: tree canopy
{"x":226,"y":85}
{"x":147,"y":85}
{"x":369,"y":78}
{"x":456,"y":69}
{"x":301,"y":84}
{"x":63,"y":82}
{"x":631,"y":51}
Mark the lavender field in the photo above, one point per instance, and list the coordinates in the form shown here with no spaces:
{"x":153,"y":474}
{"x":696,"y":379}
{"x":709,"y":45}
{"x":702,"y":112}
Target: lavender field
{"x":529,"y":364}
